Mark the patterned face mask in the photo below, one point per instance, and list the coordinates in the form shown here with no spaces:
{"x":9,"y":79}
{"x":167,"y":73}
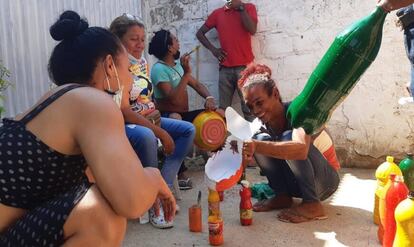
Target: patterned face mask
{"x":116,"y":95}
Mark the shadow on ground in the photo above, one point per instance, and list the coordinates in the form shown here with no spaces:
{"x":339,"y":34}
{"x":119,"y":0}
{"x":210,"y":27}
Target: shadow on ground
{"x":349,"y":222}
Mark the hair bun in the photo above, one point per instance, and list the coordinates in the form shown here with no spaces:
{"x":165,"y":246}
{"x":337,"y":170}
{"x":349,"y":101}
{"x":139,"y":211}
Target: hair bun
{"x":68,"y":26}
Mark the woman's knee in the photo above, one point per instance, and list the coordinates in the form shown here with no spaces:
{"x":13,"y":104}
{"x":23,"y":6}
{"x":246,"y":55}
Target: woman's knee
{"x":94,"y":221}
{"x":141,"y":137}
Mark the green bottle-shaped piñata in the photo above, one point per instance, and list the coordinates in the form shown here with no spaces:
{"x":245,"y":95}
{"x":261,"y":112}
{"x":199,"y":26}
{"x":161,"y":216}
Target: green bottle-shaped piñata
{"x":351,"y":53}
{"x":407,"y":167}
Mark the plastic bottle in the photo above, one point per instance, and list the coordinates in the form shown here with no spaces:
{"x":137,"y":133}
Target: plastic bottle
{"x":382,"y":174}
{"x":221,"y":195}
{"x":213,"y":203}
{"x":407,"y":168}
{"x":404,"y":217}
{"x":194,"y":216}
{"x":350,"y":54}
{"x":215,"y":230}
{"x":246,"y":207}
{"x":397,"y":192}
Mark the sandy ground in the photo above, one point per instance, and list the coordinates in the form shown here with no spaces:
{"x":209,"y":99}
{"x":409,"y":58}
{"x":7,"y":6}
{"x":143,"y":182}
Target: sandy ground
{"x":349,"y":222}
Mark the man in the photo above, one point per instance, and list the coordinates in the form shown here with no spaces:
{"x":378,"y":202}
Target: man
{"x":235,"y":23}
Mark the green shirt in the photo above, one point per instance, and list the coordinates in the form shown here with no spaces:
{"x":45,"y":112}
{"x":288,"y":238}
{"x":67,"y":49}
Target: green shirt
{"x":162,"y":72}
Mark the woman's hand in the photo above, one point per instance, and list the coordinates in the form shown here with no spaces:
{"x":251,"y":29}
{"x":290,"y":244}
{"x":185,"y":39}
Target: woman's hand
{"x":210,"y":104}
{"x":167,"y":142}
{"x":248,"y":149}
{"x":167,"y":200}
{"x":389,"y":5}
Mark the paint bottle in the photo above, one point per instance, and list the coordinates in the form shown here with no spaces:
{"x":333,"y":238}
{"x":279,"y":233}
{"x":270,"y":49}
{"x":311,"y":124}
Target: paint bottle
{"x":194,"y":216}
{"x":221,"y":195}
{"x":382,"y":174}
{"x":246,"y":207}
{"x":213,"y":203}
{"x":404,"y":217}
{"x":348,"y":57}
{"x":215,"y":230}
{"x":407,"y":168}
{"x":396,"y":193}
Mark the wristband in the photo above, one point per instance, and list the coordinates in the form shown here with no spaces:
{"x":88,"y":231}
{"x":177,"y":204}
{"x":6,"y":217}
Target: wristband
{"x":209,"y":97}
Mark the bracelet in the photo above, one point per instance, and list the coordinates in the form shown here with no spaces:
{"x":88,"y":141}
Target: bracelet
{"x":209,"y":97}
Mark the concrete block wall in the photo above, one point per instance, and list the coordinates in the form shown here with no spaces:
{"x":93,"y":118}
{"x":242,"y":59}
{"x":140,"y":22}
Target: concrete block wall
{"x":292,"y":37}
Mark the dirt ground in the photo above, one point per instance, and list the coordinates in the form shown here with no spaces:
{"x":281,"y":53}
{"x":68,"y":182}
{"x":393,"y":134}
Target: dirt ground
{"x":349,"y":222}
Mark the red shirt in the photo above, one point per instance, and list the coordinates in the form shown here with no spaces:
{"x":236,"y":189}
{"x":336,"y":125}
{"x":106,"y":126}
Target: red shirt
{"x":234,"y":38}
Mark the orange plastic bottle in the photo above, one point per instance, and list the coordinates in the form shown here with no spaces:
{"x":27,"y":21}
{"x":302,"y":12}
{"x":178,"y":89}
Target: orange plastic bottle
{"x":215,"y":230}
{"x":246,"y":207}
{"x":382,"y":174}
{"x":404,"y":217}
{"x":397,"y":192}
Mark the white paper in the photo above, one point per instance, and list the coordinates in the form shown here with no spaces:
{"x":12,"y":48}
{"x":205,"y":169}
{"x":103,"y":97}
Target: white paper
{"x":239,"y":127}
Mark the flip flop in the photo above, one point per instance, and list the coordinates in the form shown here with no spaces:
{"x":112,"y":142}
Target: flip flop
{"x":293,"y":216}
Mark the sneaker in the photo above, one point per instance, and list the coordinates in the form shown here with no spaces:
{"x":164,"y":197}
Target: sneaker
{"x":159,"y":221}
{"x":405,"y":100}
{"x":185,"y":184}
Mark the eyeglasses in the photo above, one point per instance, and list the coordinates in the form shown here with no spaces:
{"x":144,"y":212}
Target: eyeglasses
{"x":133,"y":17}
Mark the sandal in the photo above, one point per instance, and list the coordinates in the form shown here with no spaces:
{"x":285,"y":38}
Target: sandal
{"x":185,"y":184}
{"x":293,"y":216}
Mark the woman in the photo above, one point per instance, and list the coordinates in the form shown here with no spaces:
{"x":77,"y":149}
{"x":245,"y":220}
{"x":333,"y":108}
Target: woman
{"x":138,"y":109}
{"x":296,"y":164}
{"x":46,"y":198}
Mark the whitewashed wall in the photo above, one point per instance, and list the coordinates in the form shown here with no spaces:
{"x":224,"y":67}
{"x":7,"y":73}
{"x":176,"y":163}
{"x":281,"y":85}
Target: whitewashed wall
{"x":25,"y":42}
{"x":292,"y":37}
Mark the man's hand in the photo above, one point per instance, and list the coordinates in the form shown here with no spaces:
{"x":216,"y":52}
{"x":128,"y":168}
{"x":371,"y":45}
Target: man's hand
{"x":235,"y":4}
{"x":210,"y":104}
{"x":185,"y":62}
{"x":220,"y":54}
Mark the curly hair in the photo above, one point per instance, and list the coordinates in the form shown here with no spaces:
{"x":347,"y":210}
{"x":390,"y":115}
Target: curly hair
{"x":257,"y":74}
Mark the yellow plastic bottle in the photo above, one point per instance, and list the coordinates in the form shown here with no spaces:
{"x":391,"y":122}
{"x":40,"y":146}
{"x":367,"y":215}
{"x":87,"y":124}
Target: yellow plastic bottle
{"x":213,"y":203}
{"x":382,"y":174}
{"x":404,"y":217}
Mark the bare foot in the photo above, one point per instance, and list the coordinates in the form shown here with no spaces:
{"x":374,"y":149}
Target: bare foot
{"x":277,"y":202}
{"x":306,"y":211}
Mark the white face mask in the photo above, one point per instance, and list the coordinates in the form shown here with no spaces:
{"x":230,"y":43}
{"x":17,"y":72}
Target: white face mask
{"x":117,"y":95}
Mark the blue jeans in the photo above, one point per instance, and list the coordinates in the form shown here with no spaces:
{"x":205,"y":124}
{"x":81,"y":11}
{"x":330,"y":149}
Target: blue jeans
{"x":312,"y":179}
{"x":409,"y":48}
{"x":145,"y":145}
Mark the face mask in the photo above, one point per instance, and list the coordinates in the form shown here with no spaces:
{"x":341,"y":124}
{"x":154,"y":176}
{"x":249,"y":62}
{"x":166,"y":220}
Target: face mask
{"x":177,"y":55}
{"x":117,"y":95}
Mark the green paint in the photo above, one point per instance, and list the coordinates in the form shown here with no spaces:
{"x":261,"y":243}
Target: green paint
{"x":351,"y":53}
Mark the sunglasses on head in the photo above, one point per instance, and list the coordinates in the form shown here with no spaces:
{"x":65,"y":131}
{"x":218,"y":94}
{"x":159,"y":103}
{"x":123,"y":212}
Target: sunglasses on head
{"x":133,"y":17}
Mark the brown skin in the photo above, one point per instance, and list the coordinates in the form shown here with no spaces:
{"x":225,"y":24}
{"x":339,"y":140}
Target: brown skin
{"x":87,"y":121}
{"x":219,"y":53}
{"x":134,"y":42}
{"x":176,"y":99}
{"x":269,"y":109}
{"x":389,"y":5}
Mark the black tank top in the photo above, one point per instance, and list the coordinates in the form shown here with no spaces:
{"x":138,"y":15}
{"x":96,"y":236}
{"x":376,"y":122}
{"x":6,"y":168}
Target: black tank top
{"x":31,"y":172}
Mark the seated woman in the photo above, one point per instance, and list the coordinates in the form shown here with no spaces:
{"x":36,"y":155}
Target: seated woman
{"x":46,"y":199}
{"x":144,"y":124}
{"x":296,"y":164}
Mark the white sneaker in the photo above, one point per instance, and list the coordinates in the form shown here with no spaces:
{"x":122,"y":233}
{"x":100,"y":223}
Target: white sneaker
{"x":159,"y":221}
{"x":406,"y":100}
{"x":144,"y":219}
